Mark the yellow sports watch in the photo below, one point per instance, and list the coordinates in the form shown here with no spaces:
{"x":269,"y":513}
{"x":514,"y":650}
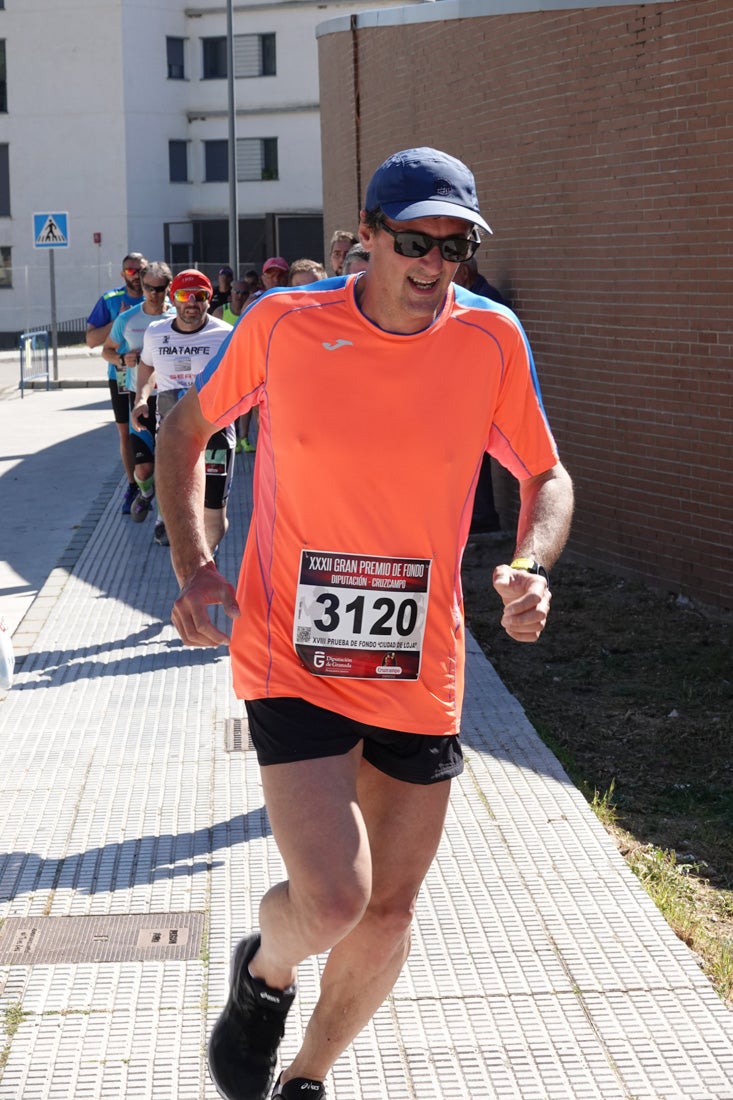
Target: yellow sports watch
{"x":529,"y":565}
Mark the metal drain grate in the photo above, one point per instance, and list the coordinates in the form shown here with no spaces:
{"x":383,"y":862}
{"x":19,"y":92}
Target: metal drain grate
{"x":236,"y":735}
{"x":31,"y":941}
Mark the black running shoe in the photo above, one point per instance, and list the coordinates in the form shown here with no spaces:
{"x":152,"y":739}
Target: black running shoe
{"x":159,"y":533}
{"x":299,"y":1088}
{"x":140,"y":507}
{"x":244,"y":1040}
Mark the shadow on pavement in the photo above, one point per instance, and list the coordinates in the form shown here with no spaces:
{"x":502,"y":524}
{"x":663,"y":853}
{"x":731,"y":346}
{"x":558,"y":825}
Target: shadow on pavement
{"x":138,"y":861}
{"x":53,"y":668}
{"x":48,"y":493}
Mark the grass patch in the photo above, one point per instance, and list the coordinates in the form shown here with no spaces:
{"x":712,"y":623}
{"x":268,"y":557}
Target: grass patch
{"x":677,"y":889}
{"x":603,"y":807}
{"x":12,"y":1018}
{"x":681,"y":893}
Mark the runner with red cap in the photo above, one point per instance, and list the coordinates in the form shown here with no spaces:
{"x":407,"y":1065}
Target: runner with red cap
{"x":177,"y":349}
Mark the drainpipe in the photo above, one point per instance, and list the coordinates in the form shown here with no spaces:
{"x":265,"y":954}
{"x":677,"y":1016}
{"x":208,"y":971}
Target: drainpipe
{"x":232,"y":148}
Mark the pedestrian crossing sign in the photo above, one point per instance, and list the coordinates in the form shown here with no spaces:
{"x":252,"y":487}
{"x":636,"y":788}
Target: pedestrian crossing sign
{"x":50,"y":230}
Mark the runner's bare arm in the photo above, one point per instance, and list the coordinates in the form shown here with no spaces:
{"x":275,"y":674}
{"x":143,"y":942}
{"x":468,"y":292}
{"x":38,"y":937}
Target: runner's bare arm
{"x":110,"y":350}
{"x":179,"y":477}
{"x":97,"y":336}
{"x":545,"y":512}
{"x":546,"y":508}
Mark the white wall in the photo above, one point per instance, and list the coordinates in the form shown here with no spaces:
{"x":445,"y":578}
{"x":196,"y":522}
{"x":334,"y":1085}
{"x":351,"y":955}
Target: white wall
{"x":90,"y":115}
{"x":155,"y":112}
{"x":64,"y":100}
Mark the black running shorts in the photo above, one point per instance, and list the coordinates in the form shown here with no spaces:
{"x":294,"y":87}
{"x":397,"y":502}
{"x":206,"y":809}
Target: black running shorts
{"x":286,"y":730}
{"x":143,"y":442}
{"x":122,"y":401}
{"x":219,"y":459}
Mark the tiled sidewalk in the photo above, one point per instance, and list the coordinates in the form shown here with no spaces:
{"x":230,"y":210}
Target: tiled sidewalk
{"x":540,"y":970}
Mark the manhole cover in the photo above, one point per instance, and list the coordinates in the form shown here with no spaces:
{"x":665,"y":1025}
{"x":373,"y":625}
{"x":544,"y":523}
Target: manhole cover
{"x":31,"y":941}
{"x":236,"y":735}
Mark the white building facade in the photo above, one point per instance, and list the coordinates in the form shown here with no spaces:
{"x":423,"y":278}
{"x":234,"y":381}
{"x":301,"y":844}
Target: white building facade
{"x":115,"y":112}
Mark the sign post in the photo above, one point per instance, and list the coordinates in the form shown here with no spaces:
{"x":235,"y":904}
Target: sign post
{"x":232,"y":148}
{"x":51,"y":231}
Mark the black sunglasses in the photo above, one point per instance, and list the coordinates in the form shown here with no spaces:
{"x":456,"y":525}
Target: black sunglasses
{"x":407,"y":242}
{"x":155,"y":289}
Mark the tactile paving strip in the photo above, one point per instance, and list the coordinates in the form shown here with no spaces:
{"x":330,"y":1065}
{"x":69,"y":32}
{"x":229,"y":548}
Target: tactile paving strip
{"x":539,"y":968}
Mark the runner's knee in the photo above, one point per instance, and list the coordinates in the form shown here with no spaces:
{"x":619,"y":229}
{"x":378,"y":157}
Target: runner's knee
{"x":331,"y":909}
{"x":393,"y":919}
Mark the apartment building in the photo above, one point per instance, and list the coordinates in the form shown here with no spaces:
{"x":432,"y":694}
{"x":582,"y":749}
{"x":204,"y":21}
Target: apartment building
{"x":115,"y":113}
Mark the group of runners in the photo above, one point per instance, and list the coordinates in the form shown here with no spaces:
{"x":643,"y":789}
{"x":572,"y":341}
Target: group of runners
{"x":157,"y":333}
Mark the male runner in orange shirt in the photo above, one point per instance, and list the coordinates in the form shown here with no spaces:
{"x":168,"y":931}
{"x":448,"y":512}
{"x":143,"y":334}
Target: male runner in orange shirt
{"x":348,"y":636}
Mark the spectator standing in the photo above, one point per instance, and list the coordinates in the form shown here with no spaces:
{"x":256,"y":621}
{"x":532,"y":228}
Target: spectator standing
{"x":348,"y":636}
{"x":468,"y":275}
{"x":99,"y":324}
{"x":275,"y":272}
{"x":252,"y":280}
{"x":305,"y":271}
{"x":341,"y":242}
{"x":223,"y":291}
{"x":485,"y":513}
{"x":356,"y":260}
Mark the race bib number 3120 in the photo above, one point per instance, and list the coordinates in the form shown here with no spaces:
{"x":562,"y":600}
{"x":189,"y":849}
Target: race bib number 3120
{"x":361,"y":617}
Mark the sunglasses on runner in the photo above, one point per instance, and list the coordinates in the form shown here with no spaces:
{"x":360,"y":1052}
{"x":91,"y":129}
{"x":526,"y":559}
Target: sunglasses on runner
{"x":131,"y":270}
{"x":186,"y":295}
{"x":155,"y":289}
{"x":408,"y":242}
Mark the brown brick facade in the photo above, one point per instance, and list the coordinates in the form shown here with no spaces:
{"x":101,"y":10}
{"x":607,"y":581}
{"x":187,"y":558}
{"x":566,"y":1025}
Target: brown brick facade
{"x":602,"y":143}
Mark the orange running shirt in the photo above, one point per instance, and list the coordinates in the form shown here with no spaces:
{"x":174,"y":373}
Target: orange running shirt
{"x":368,"y":456}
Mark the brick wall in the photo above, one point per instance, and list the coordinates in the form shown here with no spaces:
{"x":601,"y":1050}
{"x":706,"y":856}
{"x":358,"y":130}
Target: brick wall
{"x":602,"y":144}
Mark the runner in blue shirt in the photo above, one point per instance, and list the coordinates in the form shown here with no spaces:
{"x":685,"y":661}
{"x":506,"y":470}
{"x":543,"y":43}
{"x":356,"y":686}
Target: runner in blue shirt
{"x":99,"y":324}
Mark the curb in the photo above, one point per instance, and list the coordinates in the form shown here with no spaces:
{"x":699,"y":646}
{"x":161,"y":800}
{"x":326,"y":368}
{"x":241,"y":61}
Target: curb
{"x":9,"y":392}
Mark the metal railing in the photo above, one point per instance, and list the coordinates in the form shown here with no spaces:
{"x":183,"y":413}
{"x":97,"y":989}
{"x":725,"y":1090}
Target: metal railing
{"x":72,"y":332}
{"x":34,"y":361}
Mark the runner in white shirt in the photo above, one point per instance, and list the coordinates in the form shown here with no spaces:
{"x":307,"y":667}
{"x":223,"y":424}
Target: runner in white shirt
{"x":176,"y":350}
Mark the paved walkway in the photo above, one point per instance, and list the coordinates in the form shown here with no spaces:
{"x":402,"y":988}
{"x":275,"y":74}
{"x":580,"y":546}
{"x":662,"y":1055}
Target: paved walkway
{"x":135,"y":847}
{"x":58,"y":449}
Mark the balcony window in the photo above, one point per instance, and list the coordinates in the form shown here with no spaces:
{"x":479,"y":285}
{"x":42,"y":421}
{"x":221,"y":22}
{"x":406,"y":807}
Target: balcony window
{"x":175,"y":49}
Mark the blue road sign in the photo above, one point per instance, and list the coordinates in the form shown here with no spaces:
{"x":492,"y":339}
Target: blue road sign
{"x":50,"y":230}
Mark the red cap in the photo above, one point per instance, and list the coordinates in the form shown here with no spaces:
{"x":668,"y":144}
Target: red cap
{"x":277,"y":263}
{"x":190,"y":279}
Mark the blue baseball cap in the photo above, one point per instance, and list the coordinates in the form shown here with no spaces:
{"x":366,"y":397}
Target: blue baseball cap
{"x":424,"y":183}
